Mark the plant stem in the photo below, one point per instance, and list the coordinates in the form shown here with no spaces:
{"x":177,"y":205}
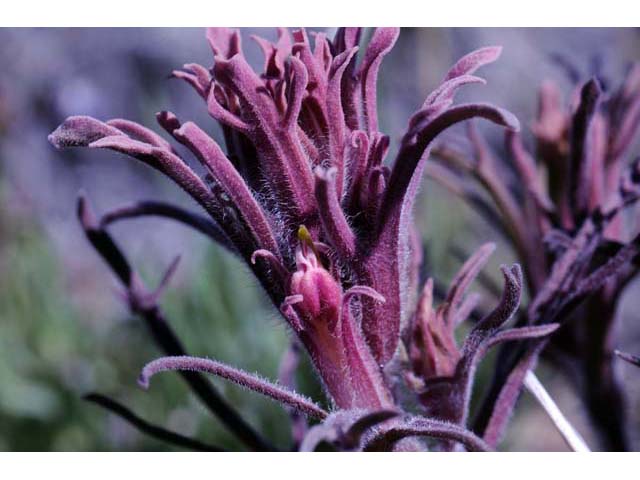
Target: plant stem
{"x":570,"y":434}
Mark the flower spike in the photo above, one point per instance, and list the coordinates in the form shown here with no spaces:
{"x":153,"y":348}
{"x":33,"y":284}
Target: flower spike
{"x":301,"y":191}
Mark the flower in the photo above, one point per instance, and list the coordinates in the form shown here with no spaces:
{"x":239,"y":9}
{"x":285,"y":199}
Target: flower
{"x":304,"y":196}
{"x":562,"y":211}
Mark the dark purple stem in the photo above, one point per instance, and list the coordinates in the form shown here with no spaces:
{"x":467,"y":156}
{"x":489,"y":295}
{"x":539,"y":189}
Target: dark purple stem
{"x":148,"y":428}
{"x":162,"y":333}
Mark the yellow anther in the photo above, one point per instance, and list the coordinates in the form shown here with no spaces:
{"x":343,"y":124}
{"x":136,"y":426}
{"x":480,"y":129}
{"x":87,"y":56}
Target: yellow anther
{"x":305,"y":238}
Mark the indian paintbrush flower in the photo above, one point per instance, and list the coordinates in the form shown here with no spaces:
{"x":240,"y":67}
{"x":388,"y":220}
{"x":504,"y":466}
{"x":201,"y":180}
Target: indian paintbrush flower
{"x":562,"y":211}
{"x":304,"y":195}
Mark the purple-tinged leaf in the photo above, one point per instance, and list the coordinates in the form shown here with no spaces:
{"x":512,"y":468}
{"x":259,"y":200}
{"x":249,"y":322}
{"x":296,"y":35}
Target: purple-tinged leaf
{"x":465,"y":309}
{"x":335,"y":114}
{"x":552,"y":122}
{"x":467,"y":273}
{"x":322,"y":51}
{"x":357,"y":152}
{"x":346,"y":38}
{"x":86,"y":131}
{"x":521,"y":333}
{"x":274,"y":54}
{"x":432,"y":348}
{"x":489,"y":175}
{"x":425,"y":427}
{"x":446,"y":394}
{"x":424,"y":116}
{"x":380,"y":45}
{"x":282,"y":157}
{"x":161,"y":209}
{"x":368,"y":383}
{"x":296,"y":93}
{"x":197,"y":76}
{"x":446,"y":92}
{"x":394,"y":217}
{"x":345,"y":428}
{"x":225,"y":42}
{"x":365,"y":423}
{"x":626,"y":132}
{"x":625,"y":256}
{"x":509,"y":302}
{"x":222,"y":115}
{"x":80,"y":131}
{"x":164,"y":161}
{"x":527,"y":170}
{"x":565,"y":268}
{"x":315,"y":67}
{"x":581,"y":167}
{"x":244,"y":379}
{"x":472,"y":61}
{"x":335,"y":224}
{"x":410,"y":160}
{"x":174,"y":167}
{"x":216,"y":162}
{"x":168,"y":121}
{"x":138,"y":132}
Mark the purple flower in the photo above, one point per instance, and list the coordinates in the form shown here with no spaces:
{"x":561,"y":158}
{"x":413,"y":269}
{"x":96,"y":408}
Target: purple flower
{"x":303,"y":194}
{"x":562,"y":211}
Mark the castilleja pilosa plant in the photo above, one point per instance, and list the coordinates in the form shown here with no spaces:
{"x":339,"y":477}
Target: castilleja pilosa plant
{"x":303,"y":193}
{"x":562,"y":210}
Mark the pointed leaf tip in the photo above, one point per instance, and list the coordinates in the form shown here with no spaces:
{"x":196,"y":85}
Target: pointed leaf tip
{"x":168,"y":120}
{"x":79,"y":131}
{"x":592,"y":88}
{"x":474,"y":60}
{"x":510,"y":120}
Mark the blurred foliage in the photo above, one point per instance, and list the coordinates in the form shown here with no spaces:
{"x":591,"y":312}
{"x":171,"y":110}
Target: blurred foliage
{"x":40,"y":406}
